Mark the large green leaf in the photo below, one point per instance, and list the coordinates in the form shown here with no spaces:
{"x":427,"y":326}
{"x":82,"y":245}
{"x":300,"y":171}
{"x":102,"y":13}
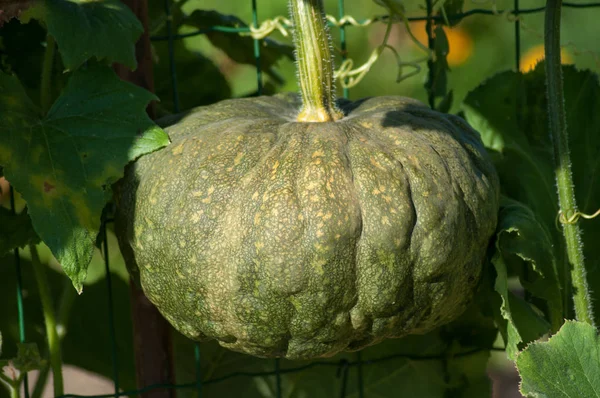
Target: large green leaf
{"x":517,"y":321}
{"x":526,"y":247}
{"x":509,"y":110}
{"x":84,"y":29}
{"x":63,"y":163}
{"x":566,"y":366}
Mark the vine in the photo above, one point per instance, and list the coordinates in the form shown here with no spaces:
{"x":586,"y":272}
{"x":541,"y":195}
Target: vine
{"x":564,"y":180}
{"x":54,"y":349}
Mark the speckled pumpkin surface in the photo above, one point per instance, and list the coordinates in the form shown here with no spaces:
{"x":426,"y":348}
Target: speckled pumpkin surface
{"x":300,"y":240}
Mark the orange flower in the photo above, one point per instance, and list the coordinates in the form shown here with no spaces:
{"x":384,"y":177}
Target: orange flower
{"x":536,"y":54}
{"x":460,"y":43}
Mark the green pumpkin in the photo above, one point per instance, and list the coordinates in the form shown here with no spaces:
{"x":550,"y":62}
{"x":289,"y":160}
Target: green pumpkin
{"x":286,"y":239}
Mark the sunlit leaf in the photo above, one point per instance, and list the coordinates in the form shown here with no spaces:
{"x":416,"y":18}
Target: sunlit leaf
{"x":566,"y":366}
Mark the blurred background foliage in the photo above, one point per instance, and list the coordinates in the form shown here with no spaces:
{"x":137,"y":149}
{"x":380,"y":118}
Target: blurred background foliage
{"x":218,"y":66}
{"x":480,"y":45}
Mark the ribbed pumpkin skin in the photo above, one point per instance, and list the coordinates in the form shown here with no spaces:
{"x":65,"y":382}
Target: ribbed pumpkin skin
{"x":300,"y":240}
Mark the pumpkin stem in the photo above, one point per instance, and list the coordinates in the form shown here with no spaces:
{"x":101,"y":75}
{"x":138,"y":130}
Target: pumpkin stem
{"x":314,"y":63}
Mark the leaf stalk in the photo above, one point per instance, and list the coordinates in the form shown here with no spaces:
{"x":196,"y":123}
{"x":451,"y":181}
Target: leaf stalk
{"x":54,"y":350}
{"x":11,"y":385}
{"x":14,"y":392}
{"x":65,"y":304}
{"x":562,"y":160}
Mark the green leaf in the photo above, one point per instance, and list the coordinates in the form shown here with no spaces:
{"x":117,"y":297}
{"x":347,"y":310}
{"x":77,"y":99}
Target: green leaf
{"x":509,"y":111}
{"x":526,"y":247}
{"x":63,"y":163}
{"x":105,"y":29}
{"x":523,"y":245}
{"x":239,"y":48}
{"x":513,"y":332}
{"x":17,"y":231}
{"x":567,"y":365}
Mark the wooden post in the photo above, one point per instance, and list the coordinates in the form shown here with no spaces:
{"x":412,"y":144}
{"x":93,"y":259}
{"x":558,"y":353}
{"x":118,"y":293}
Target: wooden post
{"x":151,"y":332}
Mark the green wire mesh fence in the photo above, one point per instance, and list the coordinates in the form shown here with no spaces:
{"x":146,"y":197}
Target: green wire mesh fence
{"x":343,"y":365}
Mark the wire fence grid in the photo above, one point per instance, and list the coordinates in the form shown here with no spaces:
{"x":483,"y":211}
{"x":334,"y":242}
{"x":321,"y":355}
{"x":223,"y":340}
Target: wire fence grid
{"x":343,"y":365}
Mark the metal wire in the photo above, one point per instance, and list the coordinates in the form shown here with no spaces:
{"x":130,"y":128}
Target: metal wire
{"x":383,"y":18}
{"x":342,"y":363}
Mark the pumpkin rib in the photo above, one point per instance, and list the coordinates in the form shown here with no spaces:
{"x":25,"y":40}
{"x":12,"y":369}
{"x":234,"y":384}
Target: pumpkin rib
{"x":371,"y":317}
{"x":447,"y":168}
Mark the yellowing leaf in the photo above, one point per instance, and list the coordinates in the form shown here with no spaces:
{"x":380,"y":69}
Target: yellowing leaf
{"x":63,"y":163}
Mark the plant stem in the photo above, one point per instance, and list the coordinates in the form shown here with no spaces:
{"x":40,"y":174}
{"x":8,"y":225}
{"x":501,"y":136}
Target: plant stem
{"x":62,"y":319}
{"x":314,"y":62}
{"x":39,"y":271}
{"x":11,"y":385}
{"x":41,"y":381}
{"x":564,"y":180}
{"x":14,"y":391}
{"x":46,"y":80}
